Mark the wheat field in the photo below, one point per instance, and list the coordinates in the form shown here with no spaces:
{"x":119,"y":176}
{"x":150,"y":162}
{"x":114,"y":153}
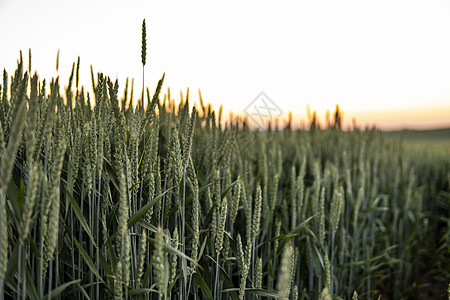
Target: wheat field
{"x":168,"y":200}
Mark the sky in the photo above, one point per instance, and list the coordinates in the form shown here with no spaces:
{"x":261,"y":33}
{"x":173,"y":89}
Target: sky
{"x":386,"y":63}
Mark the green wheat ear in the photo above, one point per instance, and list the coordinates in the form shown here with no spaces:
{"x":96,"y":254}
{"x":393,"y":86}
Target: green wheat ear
{"x":57,"y":61}
{"x":143,"y":59}
{"x":144,"y":43}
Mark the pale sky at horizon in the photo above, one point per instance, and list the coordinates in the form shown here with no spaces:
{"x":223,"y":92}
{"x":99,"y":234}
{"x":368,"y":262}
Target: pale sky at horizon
{"x":384,"y":62}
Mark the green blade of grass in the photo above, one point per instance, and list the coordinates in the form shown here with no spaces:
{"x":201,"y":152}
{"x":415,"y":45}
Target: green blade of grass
{"x":58,"y":290}
{"x":203,"y":286}
{"x":88,"y":260}
{"x":80,"y":217}
{"x":254,"y":291}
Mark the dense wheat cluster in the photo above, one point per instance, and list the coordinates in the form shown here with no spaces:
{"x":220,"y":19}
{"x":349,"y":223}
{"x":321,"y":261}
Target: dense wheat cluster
{"x":101,"y":200}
